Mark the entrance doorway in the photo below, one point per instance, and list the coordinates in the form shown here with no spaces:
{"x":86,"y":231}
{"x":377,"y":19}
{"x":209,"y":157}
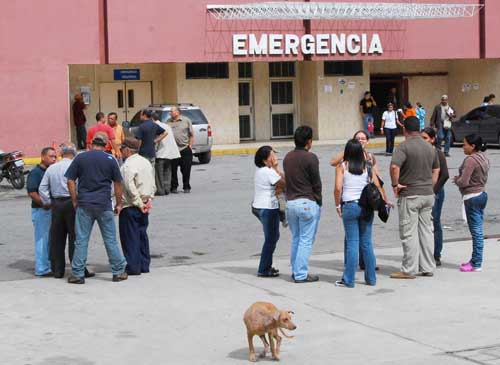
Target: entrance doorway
{"x":380,"y":86}
{"x":125,"y":98}
{"x":245,"y":103}
{"x":282,"y":108}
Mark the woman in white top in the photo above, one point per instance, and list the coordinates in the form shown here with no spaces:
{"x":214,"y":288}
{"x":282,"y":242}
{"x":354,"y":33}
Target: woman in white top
{"x":389,"y":127}
{"x":268,"y":179}
{"x":351,"y":177}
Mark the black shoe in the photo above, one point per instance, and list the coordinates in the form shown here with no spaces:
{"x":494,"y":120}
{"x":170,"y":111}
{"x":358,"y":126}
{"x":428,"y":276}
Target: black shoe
{"x":120,"y":277}
{"x":438,"y":262}
{"x":447,"y":154}
{"x":273,"y":269}
{"x":76,"y":280}
{"x":174,"y":191}
{"x":187,"y":191}
{"x":269,"y":274}
{"x":309,"y":279}
{"x":58,"y":275}
{"x":133,"y":273}
{"x":89,"y":274}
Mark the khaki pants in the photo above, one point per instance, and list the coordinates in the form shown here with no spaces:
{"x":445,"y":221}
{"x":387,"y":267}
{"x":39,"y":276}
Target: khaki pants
{"x":415,"y":231}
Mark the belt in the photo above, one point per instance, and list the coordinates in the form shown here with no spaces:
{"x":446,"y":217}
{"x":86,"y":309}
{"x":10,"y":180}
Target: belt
{"x":62,"y":198}
{"x":351,"y":202}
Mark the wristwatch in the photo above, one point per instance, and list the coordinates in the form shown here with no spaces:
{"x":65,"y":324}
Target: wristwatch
{"x":395,"y":185}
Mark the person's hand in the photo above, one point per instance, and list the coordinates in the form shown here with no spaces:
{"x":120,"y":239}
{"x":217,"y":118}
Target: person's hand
{"x":46,"y":206}
{"x":339,"y":211}
{"x":397,"y":189}
{"x":147,"y":206}
{"x":382,"y":131}
{"x":390,"y":204}
{"x":455,"y":178}
{"x":118,"y":209}
{"x":75,"y":204}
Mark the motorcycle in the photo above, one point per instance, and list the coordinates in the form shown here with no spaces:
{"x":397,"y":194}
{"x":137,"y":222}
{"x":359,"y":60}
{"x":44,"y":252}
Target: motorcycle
{"x":12,"y":168}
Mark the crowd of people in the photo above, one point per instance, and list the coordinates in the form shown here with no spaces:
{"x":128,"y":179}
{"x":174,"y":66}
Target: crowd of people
{"x":418,"y":173}
{"x":68,"y":196}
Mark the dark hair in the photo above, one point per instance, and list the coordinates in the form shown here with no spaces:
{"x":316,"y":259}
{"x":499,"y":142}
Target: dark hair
{"x":113,"y":113}
{"x":367,"y":92}
{"x":302,"y":135}
{"x":155,"y":116}
{"x":361,"y":131}
{"x":261,"y":155}
{"x":476,"y":141}
{"x":408,"y":104}
{"x":419,"y":104}
{"x":46,"y":150}
{"x":147,"y":112}
{"x":486,"y":99}
{"x":412,"y":124}
{"x":492,"y":96}
{"x":431,"y":132}
{"x":355,"y":157}
{"x":99,"y":116}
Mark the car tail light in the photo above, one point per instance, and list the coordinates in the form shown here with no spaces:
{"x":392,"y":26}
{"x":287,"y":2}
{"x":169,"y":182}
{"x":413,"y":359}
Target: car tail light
{"x":209,"y":130}
{"x":17,"y":155}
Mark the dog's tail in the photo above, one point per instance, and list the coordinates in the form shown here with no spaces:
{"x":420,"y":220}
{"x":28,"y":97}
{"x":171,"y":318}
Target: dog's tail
{"x":284,"y":334}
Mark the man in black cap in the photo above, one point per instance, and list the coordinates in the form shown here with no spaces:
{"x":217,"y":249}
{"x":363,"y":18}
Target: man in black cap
{"x":95,"y":170}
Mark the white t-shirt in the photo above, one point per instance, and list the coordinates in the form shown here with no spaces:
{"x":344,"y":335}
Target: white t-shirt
{"x":265,"y":189}
{"x":390,"y":119}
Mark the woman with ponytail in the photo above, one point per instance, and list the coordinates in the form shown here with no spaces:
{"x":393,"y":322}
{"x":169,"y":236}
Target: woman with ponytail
{"x":472,"y":178}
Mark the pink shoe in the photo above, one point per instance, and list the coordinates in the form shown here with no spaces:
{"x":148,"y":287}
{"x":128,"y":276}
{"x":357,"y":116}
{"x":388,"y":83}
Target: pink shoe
{"x":465,"y":264}
{"x":469,"y":268}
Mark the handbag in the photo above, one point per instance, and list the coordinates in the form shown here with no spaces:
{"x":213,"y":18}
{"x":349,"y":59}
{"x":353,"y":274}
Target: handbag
{"x":370,"y":196}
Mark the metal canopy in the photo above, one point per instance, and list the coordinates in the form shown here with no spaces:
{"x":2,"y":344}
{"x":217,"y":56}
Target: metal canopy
{"x":339,"y":10}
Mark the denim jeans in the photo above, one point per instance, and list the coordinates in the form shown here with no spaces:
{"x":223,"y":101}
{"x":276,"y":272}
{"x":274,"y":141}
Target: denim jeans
{"x":358,"y":232}
{"x":41,"y":219}
{"x":436,"y":220}
{"x":270,"y":220}
{"x":303,"y":219}
{"x":444,"y":135}
{"x":474,"y":209}
{"x":366,"y":119}
{"x":85,"y":218}
{"x":390,"y":136}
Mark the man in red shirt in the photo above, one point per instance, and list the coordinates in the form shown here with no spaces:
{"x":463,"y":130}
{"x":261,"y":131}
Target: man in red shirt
{"x":102,"y":127}
{"x":79,"y":120}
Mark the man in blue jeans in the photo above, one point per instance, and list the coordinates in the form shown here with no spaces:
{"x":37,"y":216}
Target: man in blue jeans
{"x":40,"y":213}
{"x":95,"y":170}
{"x":303,"y":192}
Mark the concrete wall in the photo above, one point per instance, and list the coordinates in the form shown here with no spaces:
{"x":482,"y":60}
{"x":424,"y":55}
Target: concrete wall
{"x":308,"y":90}
{"x":262,"y":113}
{"x":484,"y":72}
{"x":219,"y":100}
{"x":338,"y":116}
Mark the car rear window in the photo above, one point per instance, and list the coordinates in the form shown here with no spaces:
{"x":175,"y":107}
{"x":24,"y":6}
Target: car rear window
{"x":195,"y":115}
{"x":136,"y":120}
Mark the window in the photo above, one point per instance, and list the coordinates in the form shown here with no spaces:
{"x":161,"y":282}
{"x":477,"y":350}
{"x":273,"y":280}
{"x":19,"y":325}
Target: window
{"x":196,"y":116}
{"x":243,"y":93}
{"x":216,"y":70}
{"x":281,"y":92}
{"x":343,"y":68}
{"x":282,"y":125}
{"x":245,"y":70}
{"x":281,"y":69}
{"x":245,"y":128}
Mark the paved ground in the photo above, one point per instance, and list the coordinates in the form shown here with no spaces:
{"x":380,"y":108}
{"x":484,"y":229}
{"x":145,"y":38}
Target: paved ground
{"x":214,"y":222}
{"x":193,"y":315}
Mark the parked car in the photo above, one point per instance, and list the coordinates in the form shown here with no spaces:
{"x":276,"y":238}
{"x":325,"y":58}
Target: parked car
{"x":484,"y":120}
{"x":202,"y":146}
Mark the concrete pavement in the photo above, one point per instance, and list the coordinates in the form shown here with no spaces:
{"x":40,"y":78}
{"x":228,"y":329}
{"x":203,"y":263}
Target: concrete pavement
{"x":192,"y":314}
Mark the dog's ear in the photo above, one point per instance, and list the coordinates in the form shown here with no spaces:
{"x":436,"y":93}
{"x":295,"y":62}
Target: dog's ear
{"x":271,"y":319}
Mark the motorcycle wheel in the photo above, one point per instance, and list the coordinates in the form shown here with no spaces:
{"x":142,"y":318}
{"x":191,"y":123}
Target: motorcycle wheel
{"x":16,"y":177}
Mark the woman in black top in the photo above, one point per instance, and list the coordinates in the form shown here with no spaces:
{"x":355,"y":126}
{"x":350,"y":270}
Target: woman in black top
{"x":429,"y":134}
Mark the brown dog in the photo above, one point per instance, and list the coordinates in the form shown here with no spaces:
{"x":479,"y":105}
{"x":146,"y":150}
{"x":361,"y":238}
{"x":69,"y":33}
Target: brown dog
{"x":262,"y":318}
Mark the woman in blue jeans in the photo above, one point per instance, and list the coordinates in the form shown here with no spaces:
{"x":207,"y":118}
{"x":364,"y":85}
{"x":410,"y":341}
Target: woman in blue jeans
{"x":351,"y":177}
{"x":268,"y":179}
{"x":429,"y":134}
{"x":472,"y":178}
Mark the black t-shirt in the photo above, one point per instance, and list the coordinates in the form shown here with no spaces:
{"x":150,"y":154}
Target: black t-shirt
{"x":33,"y":183}
{"x":367,"y":105}
{"x":147,"y":133}
{"x":95,"y":171}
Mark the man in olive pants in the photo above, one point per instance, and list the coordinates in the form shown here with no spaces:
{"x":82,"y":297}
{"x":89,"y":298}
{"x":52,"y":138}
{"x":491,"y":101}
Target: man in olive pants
{"x":414,"y":171}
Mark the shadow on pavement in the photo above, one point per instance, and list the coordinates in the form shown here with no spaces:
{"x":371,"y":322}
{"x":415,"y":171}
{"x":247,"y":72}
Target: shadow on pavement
{"x":242,"y":354}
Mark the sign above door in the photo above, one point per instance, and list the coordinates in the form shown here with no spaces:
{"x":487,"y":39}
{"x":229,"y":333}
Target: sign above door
{"x":127,"y":74}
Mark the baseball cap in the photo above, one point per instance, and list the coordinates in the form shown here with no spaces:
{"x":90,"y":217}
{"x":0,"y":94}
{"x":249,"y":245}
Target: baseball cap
{"x":131,"y":143}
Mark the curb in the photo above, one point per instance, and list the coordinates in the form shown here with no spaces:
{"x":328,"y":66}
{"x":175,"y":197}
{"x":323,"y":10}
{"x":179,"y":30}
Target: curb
{"x":235,"y":151}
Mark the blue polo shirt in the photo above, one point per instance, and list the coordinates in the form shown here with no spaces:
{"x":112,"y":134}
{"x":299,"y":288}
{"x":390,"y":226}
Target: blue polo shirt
{"x":147,"y":132}
{"x":34,"y":179}
{"x":95,"y":171}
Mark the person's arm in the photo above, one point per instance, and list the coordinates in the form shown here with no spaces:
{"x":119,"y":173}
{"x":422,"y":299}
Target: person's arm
{"x":337,"y":192}
{"x":463,"y":180}
{"x":130,"y":187}
{"x":118,"y":196}
{"x":382,"y":125}
{"x":380,"y":188}
{"x":396,"y":186}
{"x":337,"y":159}
{"x":72,"y":192}
{"x":444,"y":174}
{"x":432,"y":121}
{"x":44,"y":189}
{"x":191,"y":135}
{"x":316,"y":180}
{"x":115,"y":147}
{"x":435,"y":176}
{"x":373,"y":101}
{"x":161,"y":137}
{"x":361,"y":109}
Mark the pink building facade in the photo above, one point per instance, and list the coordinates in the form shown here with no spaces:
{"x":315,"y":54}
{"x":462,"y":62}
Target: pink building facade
{"x":49,"y":50}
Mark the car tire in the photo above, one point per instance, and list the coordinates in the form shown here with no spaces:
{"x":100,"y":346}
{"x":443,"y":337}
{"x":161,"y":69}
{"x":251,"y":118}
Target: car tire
{"x":205,"y":157}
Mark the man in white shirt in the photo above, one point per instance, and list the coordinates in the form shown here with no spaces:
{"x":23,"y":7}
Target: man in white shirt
{"x":166,"y":151}
{"x":389,"y":127}
{"x":138,"y":191}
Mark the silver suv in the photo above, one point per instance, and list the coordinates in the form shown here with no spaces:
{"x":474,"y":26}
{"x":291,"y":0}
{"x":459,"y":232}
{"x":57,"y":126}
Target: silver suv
{"x":203,"y":140}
